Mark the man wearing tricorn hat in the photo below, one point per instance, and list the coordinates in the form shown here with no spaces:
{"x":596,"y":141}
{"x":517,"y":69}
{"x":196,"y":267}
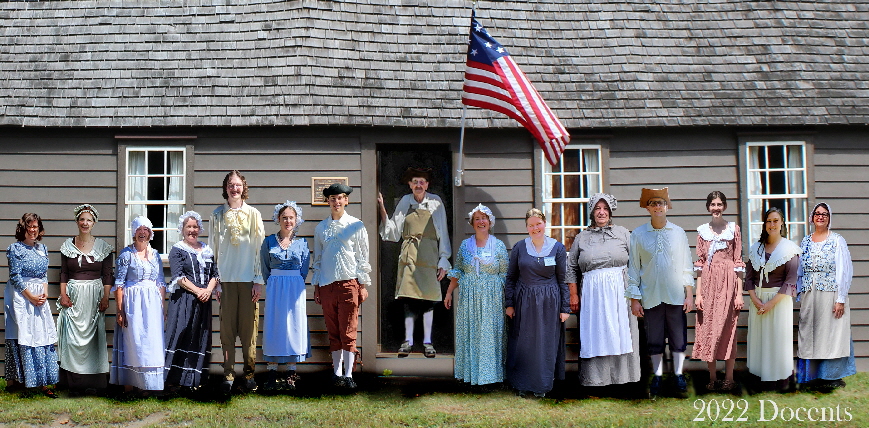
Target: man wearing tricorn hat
{"x":341,"y":268}
{"x":661,"y":285}
{"x":420,"y":223}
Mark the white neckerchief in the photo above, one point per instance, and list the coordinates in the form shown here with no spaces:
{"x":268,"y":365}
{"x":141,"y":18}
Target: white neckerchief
{"x":98,"y":252}
{"x":716,"y":242}
{"x":783,"y":252}
{"x":199,"y":255}
{"x":548,"y":243}
{"x":489,"y":250}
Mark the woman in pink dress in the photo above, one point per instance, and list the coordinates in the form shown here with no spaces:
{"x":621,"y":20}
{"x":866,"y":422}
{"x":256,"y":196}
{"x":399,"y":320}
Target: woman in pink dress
{"x":719,"y":269}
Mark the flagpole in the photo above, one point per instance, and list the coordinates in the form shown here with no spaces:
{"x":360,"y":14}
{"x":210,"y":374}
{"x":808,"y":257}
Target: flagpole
{"x":459,"y":171}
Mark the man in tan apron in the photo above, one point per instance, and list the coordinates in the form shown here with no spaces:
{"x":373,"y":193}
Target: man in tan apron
{"x":420,"y":223}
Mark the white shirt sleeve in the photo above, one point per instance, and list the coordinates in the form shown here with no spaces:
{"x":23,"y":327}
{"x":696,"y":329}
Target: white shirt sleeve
{"x":440,"y":223}
{"x":844,"y":270}
{"x":391,"y":228}
{"x":362,"y":265}
{"x":318,"y":255}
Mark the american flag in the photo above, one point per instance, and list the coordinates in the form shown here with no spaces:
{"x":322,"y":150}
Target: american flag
{"x":493,"y":81}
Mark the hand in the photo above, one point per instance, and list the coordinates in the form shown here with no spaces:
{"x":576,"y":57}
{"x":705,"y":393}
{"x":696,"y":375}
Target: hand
{"x":574,"y":302}
{"x":637,"y":308}
{"x":37,"y":300}
{"x":757,"y":303}
{"x":509,"y":311}
{"x":317,"y":294}
{"x":688,"y":306}
{"x":838,"y":310}
{"x":217,"y":294}
{"x":363,"y":295}
{"x":699,"y":303}
{"x":380,"y":200}
{"x":122,"y":320}
{"x":448,"y":300}
{"x":255,"y":292}
{"x":564,"y":316}
{"x":104,"y":303}
{"x":441,"y":273}
{"x":738,"y":303}
{"x":762,"y":309}
{"x":66,"y":302}
{"x":203,"y":295}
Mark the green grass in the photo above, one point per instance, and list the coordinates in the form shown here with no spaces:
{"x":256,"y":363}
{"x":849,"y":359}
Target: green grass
{"x":389,"y":404}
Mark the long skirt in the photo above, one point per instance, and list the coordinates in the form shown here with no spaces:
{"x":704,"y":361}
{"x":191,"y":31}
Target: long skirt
{"x":480,"y":329}
{"x":188,"y":339}
{"x":826,"y":350}
{"x":715,"y":333}
{"x":285,"y":330}
{"x":33,"y":366}
{"x":30,"y":337}
{"x":139,"y":353}
{"x":771,"y":338}
{"x":81,"y":336}
{"x":535,"y":345}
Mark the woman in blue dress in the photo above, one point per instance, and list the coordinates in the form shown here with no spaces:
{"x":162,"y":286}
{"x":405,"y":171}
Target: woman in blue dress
{"x":537,"y":299}
{"x":188,"y":325}
{"x":138,"y":353}
{"x":285,"y":260}
{"x":826,"y":349}
{"x":479,"y":272}
{"x":31,"y":358}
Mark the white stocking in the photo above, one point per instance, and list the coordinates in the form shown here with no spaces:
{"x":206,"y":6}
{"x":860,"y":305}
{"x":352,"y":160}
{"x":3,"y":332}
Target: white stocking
{"x":349,"y":358}
{"x":658,"y":364}
{"x":336,"y":361}
{"x":678,"y":362}
{"x":408,"y":330}
{"x":427,"y":320}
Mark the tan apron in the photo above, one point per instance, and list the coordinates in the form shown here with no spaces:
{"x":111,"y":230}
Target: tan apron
{"x":418,"y":262}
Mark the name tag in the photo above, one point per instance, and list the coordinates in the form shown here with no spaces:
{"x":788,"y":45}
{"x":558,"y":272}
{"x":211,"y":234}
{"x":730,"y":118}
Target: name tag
{"x":549,"y":261}
{"x":485,"y":253}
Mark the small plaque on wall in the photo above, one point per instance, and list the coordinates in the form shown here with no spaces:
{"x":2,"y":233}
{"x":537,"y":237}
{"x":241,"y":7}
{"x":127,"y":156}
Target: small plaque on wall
{"x":320,"y":183}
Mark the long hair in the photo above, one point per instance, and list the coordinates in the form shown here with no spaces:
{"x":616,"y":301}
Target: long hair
{"x":236,"y":173}
{"x":784,"y":227}
{"x":21,"y":228}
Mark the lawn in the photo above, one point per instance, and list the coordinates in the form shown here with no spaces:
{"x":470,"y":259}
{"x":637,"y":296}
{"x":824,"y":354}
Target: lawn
{"x":387,"y":402}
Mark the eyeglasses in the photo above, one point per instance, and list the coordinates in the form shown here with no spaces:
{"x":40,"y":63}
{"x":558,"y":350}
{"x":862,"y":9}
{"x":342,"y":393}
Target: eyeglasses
{"x":656,"y":203}
{"x":418,"y":182}
{"x":821,"y":214}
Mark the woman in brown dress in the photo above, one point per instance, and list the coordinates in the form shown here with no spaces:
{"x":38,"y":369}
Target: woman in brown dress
{"x":85,"y":279}
{"x":719,"y":269}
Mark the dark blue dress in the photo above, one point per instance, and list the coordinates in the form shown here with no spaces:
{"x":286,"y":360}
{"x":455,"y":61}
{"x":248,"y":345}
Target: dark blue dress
{"x":538,"y":294}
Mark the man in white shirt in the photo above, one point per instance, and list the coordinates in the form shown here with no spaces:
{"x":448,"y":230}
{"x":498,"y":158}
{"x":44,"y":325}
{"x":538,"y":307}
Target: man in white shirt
{"x":420,"y":222}
{"x":341,"y":272}
{"x":237,"y":233}
{"x":661,"y":285}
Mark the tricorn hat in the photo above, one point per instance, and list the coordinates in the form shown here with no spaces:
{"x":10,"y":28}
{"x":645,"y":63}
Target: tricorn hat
{"x":412,"y":172}
{"x":654,"y":193}
{"x":337,"y":189}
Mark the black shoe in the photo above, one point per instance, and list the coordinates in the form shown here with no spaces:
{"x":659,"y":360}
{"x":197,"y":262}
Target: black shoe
{"x":838,"y":383}
{"x":681,"y":383}
{"x":404,"y":349}
{"x":339,"y":381}
{"x":655,"y":386}
{"x":271,"y":384}
{"x":226,"y":387}
{"x":349,"y":383}
{"x":250,"y":385}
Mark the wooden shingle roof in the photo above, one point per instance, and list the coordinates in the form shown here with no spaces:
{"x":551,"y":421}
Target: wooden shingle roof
{"x":602,"y":63}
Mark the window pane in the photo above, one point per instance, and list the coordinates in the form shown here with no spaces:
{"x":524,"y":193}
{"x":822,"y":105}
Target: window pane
{"x":556,"y":186}
{"x":555,"y":215}
{"x":570,"y":160}
{"x":776,"y":156}
{"x":571,"y":187}
{"x":776,"y":183}
{"x":155,"y":188}
{"x":556,"y":233}
{"x":156,"y":164}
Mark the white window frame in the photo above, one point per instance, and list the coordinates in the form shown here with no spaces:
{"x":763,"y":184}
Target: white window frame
{"x":550,"y":174}
{"x":169,"y":224}
{"x":797,"y":228}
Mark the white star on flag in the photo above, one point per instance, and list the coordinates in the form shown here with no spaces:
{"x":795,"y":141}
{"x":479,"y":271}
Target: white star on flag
{"x":488,"y":45}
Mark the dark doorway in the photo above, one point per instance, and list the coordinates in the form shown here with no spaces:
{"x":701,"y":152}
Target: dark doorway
{"x":392,"y":161}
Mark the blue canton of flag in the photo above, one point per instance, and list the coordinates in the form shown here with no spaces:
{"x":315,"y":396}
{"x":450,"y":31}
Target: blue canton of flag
{"x":493,"y":81}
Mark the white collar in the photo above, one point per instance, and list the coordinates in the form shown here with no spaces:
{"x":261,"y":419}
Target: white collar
{"x":783,"y":252}
{"x":707,"y":234}
{"x":548,"y":243}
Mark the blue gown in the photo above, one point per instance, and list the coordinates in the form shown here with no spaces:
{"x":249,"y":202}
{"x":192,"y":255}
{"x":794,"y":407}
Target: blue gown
{"x":285,"y":330}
